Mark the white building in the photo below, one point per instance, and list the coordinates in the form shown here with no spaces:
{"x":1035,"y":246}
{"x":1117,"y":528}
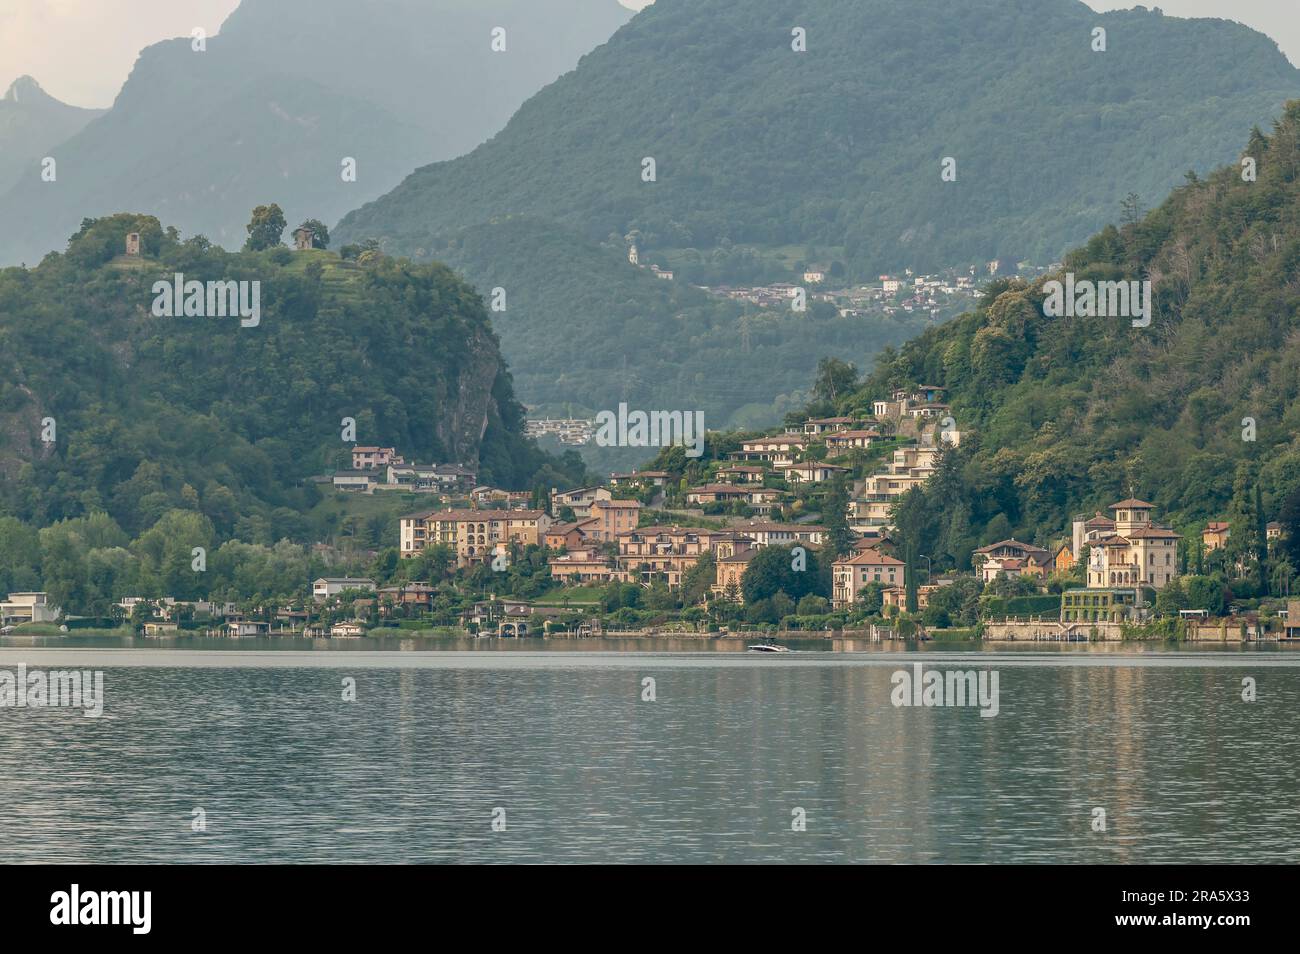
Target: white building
{"x":28,"y":608}
{"x":327,"y":587}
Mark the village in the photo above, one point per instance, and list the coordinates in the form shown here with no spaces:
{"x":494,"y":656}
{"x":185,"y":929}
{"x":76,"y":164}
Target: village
{"x":651,"y":552}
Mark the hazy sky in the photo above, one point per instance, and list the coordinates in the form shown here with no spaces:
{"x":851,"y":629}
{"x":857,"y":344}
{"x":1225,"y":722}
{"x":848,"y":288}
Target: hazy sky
{"x":82,"y":50}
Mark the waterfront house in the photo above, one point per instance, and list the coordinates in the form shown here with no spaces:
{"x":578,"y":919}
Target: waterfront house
{"x":245,"y":627}
{"x":1087,"y":531}
{"x":1100,"y":605}
{"x":474,"y":535}
{"x":851,"y":575}
{"x":407,"y":596}
{"x":581,"y":565}
{"x":731,"y":569}
{"x":1139,"y":552}
{"x":28,"y":608}
{"x":330,"y":586}
{"x":1011,"y":558}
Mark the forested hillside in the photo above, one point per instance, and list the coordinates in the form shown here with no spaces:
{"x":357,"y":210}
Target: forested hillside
{"x":582,"y":330}
{"x":1197,"y":413}
{"x":842,"y":145}
{"x":151,"y":414}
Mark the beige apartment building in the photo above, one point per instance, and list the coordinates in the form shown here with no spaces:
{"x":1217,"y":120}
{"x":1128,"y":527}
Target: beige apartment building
{"x":609,"y":518}
{"x":474,"y":535}
{"x":851,"y":576}
{"x":910,"y":467}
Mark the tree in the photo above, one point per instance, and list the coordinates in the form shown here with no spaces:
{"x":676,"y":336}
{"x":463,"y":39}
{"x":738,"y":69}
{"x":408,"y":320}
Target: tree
{"x":772,"y":571}
{"x":835,"y":379}
{"x":1261,"y":543}
{"x":813,"y":605}
{"x":1289,"y":517}
{"x":699,"y":579}
{"x":871,"y":598}
{"x":835,"y":517}
{"x":265,"y":228}
{"x":1131,"y":208}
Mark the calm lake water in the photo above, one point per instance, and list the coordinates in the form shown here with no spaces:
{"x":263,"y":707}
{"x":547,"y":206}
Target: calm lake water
{"x":713,"y":769}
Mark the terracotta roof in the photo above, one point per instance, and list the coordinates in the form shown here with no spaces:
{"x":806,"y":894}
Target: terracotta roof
{"x":718,"y":489}
{"x":1013,"y":542}
{"x":1099,"y":521}
{"x":1150,"y":532}
{"x":744,"y":556}
{"x":1215,"y":526}
{"x":1132,"y":504}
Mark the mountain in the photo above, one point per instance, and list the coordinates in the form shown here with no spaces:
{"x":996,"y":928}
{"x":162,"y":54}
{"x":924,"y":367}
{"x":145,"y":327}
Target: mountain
{"x":155,"y":413}
{"x":841,"y":146}
{"x":289,"y":89}
{"x":32,"y":122}
{"x":582,"y":330}
{"x":1195,"y":413}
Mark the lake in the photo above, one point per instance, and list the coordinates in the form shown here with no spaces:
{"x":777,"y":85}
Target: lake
{"x":532,"y":751}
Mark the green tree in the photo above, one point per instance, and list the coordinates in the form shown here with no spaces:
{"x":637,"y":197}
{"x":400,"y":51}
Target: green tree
{"x":265,"y":228}
{"x":835,"y":518}
{"x":835,"y":379}
{"x":771,"y":571}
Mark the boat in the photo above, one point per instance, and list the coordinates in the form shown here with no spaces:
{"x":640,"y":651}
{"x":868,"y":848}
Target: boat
{"x":767,"y":648}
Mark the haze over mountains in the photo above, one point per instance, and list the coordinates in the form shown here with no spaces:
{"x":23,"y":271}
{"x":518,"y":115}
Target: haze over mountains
{"x":283,"y":94}
{"x":31,"y":123}
{"x":841,"y":146}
